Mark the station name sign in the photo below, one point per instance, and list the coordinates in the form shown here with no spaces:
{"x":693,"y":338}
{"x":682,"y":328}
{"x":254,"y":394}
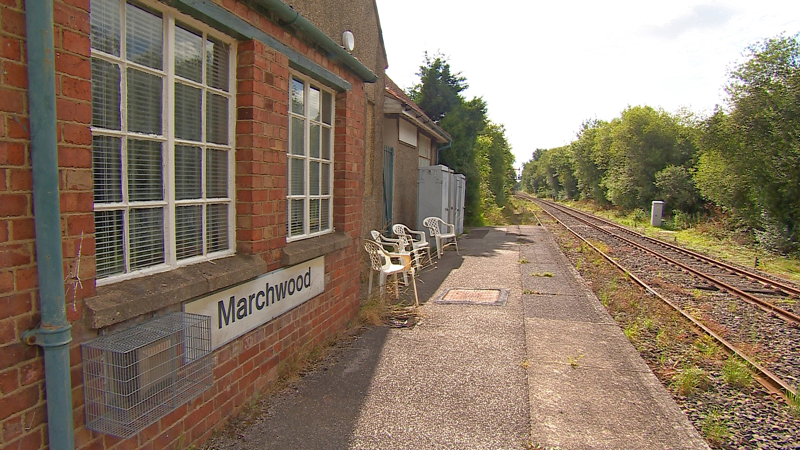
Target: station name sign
{"x":239,"y":309}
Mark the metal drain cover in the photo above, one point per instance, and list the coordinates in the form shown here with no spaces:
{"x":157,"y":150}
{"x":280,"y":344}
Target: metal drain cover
{"x":489,"y":297}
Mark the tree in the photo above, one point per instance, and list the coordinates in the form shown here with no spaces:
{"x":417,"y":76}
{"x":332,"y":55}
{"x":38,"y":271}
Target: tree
{"x":439,"y":95}
{"x":495,"y":153}
{"x":588,"y":167}
{"x":439,"y":90}
{"x":757,"y":144}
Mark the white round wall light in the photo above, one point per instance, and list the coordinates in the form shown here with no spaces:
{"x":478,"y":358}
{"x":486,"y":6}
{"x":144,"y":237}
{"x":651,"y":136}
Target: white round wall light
{"x":348,"y":40}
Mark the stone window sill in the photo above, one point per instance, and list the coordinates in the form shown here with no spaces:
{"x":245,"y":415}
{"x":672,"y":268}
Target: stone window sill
{"x":118,"y":302}
{"x":300,"y":251}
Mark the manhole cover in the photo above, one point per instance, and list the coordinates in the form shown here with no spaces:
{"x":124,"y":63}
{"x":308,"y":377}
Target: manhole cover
{"x":490,"y":297}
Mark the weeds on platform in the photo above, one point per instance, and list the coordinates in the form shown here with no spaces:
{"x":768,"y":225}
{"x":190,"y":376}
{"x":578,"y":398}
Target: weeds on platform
{"x":382,"y":309}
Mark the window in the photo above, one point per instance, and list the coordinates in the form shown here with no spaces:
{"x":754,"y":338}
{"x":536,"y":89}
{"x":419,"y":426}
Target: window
{"x":310,"y":186}
{"x":162,"y":140}
{"x":424,"y":151}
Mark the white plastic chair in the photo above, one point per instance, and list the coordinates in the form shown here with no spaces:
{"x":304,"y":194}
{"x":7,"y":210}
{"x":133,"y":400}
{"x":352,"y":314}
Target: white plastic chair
{"x":394,"y":243}
{"x":435,"y":226}
{"x":414,"y":241}
{"x":382,"y":263}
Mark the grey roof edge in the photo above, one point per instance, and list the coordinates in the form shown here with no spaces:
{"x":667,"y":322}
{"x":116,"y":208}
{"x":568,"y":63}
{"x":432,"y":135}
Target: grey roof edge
{"x":221,"y":19}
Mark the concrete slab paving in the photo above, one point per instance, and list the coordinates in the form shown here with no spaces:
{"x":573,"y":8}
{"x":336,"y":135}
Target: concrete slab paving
{"x":549,"y":370}
{"x":589,"y":388}
{"x":564,"y":307}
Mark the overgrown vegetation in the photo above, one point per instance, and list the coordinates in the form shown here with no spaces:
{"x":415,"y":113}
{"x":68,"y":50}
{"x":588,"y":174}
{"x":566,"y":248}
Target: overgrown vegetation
{"x":738,"y":168}
{"x":693,"y":367}
{"x":479,"y":148}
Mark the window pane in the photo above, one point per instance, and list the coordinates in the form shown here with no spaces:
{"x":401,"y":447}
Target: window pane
{"x":188,"y":54}
{"x":326,"y":179}
{"x":313,"y":141}
{"x":324,"y":213}
{"x":188,"y":171}
{"x":188,"y":104}
{"x":107,"y":169}
{"x":297,"y":97}
{"x":144,"y":171}
{"x":216,"y":118}
{"x":146,"y":237}
{"x":326,"y":143}
{"x":217,"y":64}
{"x":216,"y":174}
{"x":143,"y":37}
{"x":313,"y":213}
{"x":313,"y":103}
{"x":327,"y":108}
{"x":144,"y":102}
{"x":188,"y":231}
{"x":297,"y":176}
{"x":109,"y":258}
{"x":296,"y":217}
{"x":217,"y":224}
{"x":105,"y":95}
{"x":105,"y":26}
{"x":313,"y":181}
{"x":298,"y":134}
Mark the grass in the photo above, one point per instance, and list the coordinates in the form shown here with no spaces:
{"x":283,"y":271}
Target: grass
{"x":631,"y":331}
{"x":574,"y":360}
{"x":737,"y":373}
{"x":793,"y":401}
{"x":714,"y":427}
{"x":707,"y":347}
{"x":689,"y":380}
{"x":542,"y":274}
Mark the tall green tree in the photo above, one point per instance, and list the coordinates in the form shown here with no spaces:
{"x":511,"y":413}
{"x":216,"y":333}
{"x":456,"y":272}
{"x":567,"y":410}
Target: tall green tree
{"x":439,"y":89}
{"x":439,"y":94}
{"x":588,"y":166}
{"x":759,"y":140}
{"x":644,"y":142}
{"x":495,"y":152}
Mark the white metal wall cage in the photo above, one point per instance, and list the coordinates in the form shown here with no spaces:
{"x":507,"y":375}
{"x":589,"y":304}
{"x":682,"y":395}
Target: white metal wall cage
{"x":134,"y":377}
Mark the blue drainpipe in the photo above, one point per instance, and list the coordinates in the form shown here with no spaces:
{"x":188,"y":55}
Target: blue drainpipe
{"x":53,"y":334}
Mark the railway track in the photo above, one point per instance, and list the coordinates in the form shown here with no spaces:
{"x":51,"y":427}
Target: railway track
{"x":751,"y":315}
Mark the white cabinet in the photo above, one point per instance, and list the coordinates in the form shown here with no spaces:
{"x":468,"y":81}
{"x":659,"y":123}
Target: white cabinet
{"x":440,"y":194}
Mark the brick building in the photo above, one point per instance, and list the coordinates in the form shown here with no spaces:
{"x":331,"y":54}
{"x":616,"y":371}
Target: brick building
{"x":198,"y":149}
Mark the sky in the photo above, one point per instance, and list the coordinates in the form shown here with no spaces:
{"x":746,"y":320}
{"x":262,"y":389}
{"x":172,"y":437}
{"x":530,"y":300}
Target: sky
{"x":545,"y":67}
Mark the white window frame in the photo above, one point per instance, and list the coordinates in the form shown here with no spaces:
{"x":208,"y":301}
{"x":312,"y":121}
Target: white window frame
{"x":168,"y":140}
{"x":307,"y":84}
{"x":424,"y":151}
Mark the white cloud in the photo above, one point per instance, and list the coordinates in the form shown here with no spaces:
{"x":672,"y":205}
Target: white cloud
{"x":545,"y":67}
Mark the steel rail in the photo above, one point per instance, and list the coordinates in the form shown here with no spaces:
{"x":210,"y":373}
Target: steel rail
{"x":768,"y":379}
{"x":787,"y":289}
{"x":764,"y":305}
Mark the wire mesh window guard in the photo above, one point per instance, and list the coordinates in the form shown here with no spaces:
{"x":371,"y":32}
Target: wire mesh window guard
{"x":133,"y":378}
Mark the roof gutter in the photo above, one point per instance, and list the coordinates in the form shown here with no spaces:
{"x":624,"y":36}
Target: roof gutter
{"x":53,"y":334}
{"x":293,"y":18}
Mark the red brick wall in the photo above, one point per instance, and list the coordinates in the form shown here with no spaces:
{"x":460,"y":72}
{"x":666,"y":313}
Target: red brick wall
{"x":22,"y":406}
{"x":242,"y":367}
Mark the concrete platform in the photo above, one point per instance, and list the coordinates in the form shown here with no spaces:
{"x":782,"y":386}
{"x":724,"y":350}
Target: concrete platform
{"x":548,"y":368}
